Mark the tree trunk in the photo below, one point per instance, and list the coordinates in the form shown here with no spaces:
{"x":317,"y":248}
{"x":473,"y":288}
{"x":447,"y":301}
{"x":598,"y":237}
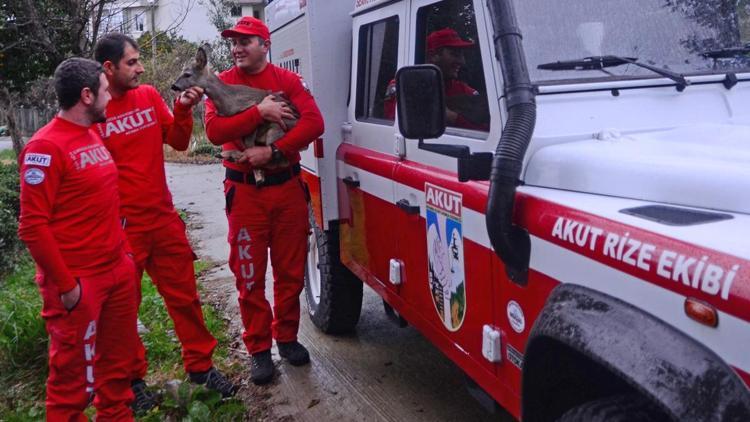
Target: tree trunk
{"x":15,"y":135}
{"x":8,"y":106}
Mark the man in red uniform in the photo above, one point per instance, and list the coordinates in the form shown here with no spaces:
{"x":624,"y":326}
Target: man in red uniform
{"x":70,"y":223}
{"x":138,"y":125}
{"x":272,"y":216}
{"x":445,"y":49}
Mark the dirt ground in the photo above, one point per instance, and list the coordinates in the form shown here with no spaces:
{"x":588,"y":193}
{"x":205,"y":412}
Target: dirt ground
{"x":381,"y":373}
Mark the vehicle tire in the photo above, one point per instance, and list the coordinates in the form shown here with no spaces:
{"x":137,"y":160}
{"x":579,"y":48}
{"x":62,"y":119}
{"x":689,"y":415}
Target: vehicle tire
{"x":619,"y":408}
{"x":333,"y":293}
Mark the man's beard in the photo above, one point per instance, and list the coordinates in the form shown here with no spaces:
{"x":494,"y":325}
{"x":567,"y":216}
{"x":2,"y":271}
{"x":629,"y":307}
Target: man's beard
{"x":97,"y":116}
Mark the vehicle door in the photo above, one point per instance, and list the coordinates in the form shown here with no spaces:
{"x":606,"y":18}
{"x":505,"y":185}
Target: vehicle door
{"x":366,"y":159}
{"x":447,"y":264}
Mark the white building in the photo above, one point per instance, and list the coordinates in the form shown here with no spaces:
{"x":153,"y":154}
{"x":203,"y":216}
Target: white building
{"x":188,"y":18}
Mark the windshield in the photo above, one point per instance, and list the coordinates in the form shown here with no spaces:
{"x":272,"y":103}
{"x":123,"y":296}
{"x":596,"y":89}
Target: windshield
{"x":669,"y":34}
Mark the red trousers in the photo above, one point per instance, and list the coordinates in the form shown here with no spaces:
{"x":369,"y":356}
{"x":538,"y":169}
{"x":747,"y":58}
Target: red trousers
{"x":166,"y":255}
{"x":91,"y":347}
{"x":274,"y":217}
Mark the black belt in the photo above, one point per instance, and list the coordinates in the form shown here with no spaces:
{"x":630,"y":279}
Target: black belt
{"x":269,"y":180}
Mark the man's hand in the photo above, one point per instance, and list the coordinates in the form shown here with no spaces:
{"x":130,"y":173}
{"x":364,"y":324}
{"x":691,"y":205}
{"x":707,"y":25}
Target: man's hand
{"x":70,"y":298}
{"x":191,"y":96}
{"x":450,"y":116}
{"x":275,"y":111}
{"x":256,"y":156}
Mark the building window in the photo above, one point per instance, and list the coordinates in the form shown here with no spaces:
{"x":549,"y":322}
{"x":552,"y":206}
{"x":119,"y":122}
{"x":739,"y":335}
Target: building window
{"x":133,"y":21}
{"x":256,"y":14}
{"x":235,"y":11}
{"x":125,"y":21}
{"x":377,"y":61}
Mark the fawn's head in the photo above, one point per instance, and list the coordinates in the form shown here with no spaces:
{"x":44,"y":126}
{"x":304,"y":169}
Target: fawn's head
{"x":195,"y":73}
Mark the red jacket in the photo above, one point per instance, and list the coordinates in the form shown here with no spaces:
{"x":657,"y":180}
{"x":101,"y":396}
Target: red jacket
{"x":138,"y":125}
{"x":69,"y":203}
{"x":228,"y":131}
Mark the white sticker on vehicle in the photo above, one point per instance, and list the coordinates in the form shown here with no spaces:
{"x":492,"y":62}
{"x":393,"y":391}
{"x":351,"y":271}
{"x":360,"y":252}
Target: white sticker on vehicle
{"x":514,"y":356}
{"x":445,"y":255}
{"x":515,"y":316}
{"x":33,"y":176}
{"x":35,"y":159}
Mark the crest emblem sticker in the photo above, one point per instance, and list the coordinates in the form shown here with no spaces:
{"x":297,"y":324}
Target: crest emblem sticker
{"x":33,"y":176}
{"x":445,"y":255}
{"x":515,"y":317}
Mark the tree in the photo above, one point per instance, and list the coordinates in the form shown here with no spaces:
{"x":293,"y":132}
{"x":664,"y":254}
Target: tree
{"x":219,"y":52}
{"x":172,"y":54}
{"x":35,"y":36}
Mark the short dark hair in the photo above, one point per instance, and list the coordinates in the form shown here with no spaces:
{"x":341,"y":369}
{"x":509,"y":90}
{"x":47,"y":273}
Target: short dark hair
{"x":111,"y":47}
{"x":72,"y":76}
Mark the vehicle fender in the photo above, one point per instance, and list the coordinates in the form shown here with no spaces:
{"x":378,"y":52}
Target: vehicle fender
{"x":684,"y":377}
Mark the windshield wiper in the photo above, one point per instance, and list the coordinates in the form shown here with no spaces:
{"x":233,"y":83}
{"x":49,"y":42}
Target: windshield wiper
{"x":600,"y":62}
{"x":727,"y":53}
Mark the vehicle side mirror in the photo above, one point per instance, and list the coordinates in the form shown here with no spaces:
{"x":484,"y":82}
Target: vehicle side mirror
{"x":421,"y":102}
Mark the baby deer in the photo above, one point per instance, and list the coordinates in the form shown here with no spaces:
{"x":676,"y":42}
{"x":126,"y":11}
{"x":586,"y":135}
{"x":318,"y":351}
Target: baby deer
{"x":232,"y":99}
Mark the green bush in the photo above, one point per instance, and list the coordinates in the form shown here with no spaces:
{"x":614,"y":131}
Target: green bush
{"x":205,"y":148}
{"x":9,"y":211}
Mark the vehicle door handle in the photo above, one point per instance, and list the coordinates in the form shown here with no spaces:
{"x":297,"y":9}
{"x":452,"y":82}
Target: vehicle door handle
{"x":405,"y":205}
{"x":349,"y":181}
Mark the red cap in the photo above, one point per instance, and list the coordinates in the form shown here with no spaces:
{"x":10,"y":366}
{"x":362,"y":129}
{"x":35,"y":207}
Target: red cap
{"x":446,"y":37}
{"x":247,"y":26}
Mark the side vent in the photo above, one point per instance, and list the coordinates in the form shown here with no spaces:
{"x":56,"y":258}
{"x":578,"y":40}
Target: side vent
{"x":674,"y":216}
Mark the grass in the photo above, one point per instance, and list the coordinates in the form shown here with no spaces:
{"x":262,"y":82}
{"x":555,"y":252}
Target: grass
{"x":23,"y":354}
{"x":7,"y":155}
{"x":23,"y":346}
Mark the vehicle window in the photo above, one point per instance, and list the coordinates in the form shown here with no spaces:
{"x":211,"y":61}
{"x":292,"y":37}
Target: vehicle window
{"x":689,"y":37}
{"x":378,"y":57}
{"x":447,"y":37}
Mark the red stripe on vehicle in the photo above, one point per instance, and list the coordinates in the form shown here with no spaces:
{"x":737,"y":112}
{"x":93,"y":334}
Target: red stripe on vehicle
{"x":719,"y":279}
{"x":414,"y":174}
{"x":367,"y":160}
{"x":745,"y":376}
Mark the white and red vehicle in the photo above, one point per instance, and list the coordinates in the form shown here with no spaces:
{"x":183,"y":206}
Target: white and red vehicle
{"x":583,"y":248}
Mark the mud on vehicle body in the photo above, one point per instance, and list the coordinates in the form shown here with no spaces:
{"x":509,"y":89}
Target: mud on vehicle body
{"x":575,"y":240}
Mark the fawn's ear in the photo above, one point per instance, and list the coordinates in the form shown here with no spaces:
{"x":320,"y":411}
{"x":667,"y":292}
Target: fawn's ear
{"x":201,"y":58}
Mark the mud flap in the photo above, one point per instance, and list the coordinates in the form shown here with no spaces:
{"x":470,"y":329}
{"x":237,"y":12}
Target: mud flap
{"x":485,"y":400}
{"x":306,"y":190}
{"x":394,"y":316}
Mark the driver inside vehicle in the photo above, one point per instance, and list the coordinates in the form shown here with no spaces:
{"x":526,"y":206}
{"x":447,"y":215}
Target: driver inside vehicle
{"x":465,"y":107}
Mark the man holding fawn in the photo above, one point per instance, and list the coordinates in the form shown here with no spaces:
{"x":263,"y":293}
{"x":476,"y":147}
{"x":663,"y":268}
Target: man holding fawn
{"x":272,"y":215}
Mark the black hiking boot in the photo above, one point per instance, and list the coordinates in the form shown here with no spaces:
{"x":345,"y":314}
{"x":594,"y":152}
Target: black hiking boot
{"x":214,"y":380}
{"x":294,"y":352}
{"x":145,"y":399}
{"x":261,"y":367}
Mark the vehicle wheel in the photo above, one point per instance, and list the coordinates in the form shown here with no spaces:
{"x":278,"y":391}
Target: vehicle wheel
{"x":620,"y":408}
{"x":333,"y":293}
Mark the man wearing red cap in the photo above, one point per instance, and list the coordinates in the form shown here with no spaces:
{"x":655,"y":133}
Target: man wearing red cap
{"x":445,"y":49}
{"x":268,"y":216}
